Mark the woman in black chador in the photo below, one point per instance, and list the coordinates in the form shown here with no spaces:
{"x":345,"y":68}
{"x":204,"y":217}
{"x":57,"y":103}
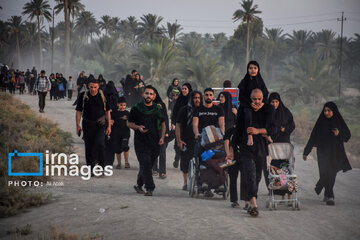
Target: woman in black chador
{"x":283,"y":119}
{"x":251,"y":81}
{"x":229,"y":110}
{"x":329,"y":134}
{"x":182,"y":100}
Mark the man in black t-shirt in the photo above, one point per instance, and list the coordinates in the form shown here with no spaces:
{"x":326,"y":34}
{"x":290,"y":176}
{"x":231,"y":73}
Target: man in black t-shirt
{"x":95,"y":112}
{"x":147,"y":120}
{"x":208,"y":114}
{"x":185,"y":135}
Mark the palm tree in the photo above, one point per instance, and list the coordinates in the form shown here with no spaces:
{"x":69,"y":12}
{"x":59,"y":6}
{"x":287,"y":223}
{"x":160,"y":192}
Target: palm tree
{"x":156,"y":59}
{"x":274,"y":47}
{"x":192,"y":47}
{"x":105,"y":23}
{"x":149,"y":27}
{"x":173,"y":31}
{"x":129,"y":29}
{"x":219,"y":40}
{"x":30,"y":37}
{"x":325,"y":44}
{"x":309,"y":79}
{"x":38,"y":8}
{"x":16,"y":24}
{"x":74,"y":6}
{"x":64,"y":6}
{"x":86,"y":25}
{"x":247,"y":14}
{"x":201,"y":70}
{"x":299,"y":41}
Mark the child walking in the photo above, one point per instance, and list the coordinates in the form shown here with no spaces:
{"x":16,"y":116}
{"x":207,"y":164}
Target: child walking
{"x":121,"y":132}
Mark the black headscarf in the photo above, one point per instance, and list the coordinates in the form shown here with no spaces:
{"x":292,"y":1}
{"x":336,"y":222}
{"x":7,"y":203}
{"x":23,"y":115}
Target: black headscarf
{"x":249,"y":83}
{"x":282,"y":118}
{"x":180,"y":102}
{"x":227,"y":106}
{"x":323,"y":138}
{"x":160,"y":102}
{"x":111,"y":95}
{"x":280,"y":112}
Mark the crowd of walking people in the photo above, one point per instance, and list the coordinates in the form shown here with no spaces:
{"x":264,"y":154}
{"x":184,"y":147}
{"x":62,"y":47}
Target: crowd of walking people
{"x":260,"y":119}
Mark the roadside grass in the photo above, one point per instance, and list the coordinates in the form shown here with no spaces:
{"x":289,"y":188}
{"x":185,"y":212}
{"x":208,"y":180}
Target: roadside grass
{"x":22,"y":130}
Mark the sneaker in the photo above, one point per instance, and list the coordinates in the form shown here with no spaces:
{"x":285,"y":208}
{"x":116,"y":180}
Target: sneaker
{"x":330,"y":201}
{"x":176,"y":164}
{"x":148,"y":194}
{"x":184,"y":187}
{"x":235,"y":205}
{"x":325,"y":199}
{"x":139,"y":189}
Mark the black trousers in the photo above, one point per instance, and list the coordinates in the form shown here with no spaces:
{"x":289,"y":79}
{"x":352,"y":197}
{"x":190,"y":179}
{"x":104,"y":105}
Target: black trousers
{"x":253,"y":166}
{"x":94,"y":137}
{"x":109,"y":151}
{"x":160,"y":163}
{"x":146,"y":158}
{"x":177,"y":151}
{"x":53,"y":93}
{"x":233,"y":175}
{"x":42,"y":96}
{"x":69,"y":94}
{"x":185,"y":157}
{"x":327,"y":174}
{"x":22,"y":88}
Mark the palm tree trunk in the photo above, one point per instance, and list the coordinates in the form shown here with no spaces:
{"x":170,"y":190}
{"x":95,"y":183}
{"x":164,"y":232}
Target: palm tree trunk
{"x":32,"y":54}
{"x":67,"y":37}
{"x":18,"y":50}
{"x":40,"y":47}
{"x":247,"y":41}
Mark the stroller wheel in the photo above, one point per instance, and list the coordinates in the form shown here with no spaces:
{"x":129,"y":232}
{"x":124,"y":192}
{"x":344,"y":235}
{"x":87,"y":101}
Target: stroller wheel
{"x":294,"y":205}
{"x":298,"y":205}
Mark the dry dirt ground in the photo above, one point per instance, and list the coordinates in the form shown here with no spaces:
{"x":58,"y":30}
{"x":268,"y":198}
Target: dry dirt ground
{"x":172,"y":214}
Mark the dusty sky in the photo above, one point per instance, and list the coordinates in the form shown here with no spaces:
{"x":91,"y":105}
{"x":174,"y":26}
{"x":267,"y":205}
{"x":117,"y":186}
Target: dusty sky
{"x":214,"y":16}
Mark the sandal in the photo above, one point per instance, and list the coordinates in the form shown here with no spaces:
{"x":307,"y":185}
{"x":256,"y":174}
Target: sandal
{"x":254,"y":212}
{"x":163,"y":176}
{"x":155,"y":173}
{"x":127,"y":165}
{"x":118,"y":166}
{"x":235,"y":205}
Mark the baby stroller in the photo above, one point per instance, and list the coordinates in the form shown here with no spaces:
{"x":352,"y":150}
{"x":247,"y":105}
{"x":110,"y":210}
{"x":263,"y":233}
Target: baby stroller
{"x":280,"y":166}
{"x":200,"y":169}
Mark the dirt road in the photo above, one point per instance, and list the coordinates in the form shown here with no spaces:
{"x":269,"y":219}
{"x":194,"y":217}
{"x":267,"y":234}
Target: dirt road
{"x":172,"y":214}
